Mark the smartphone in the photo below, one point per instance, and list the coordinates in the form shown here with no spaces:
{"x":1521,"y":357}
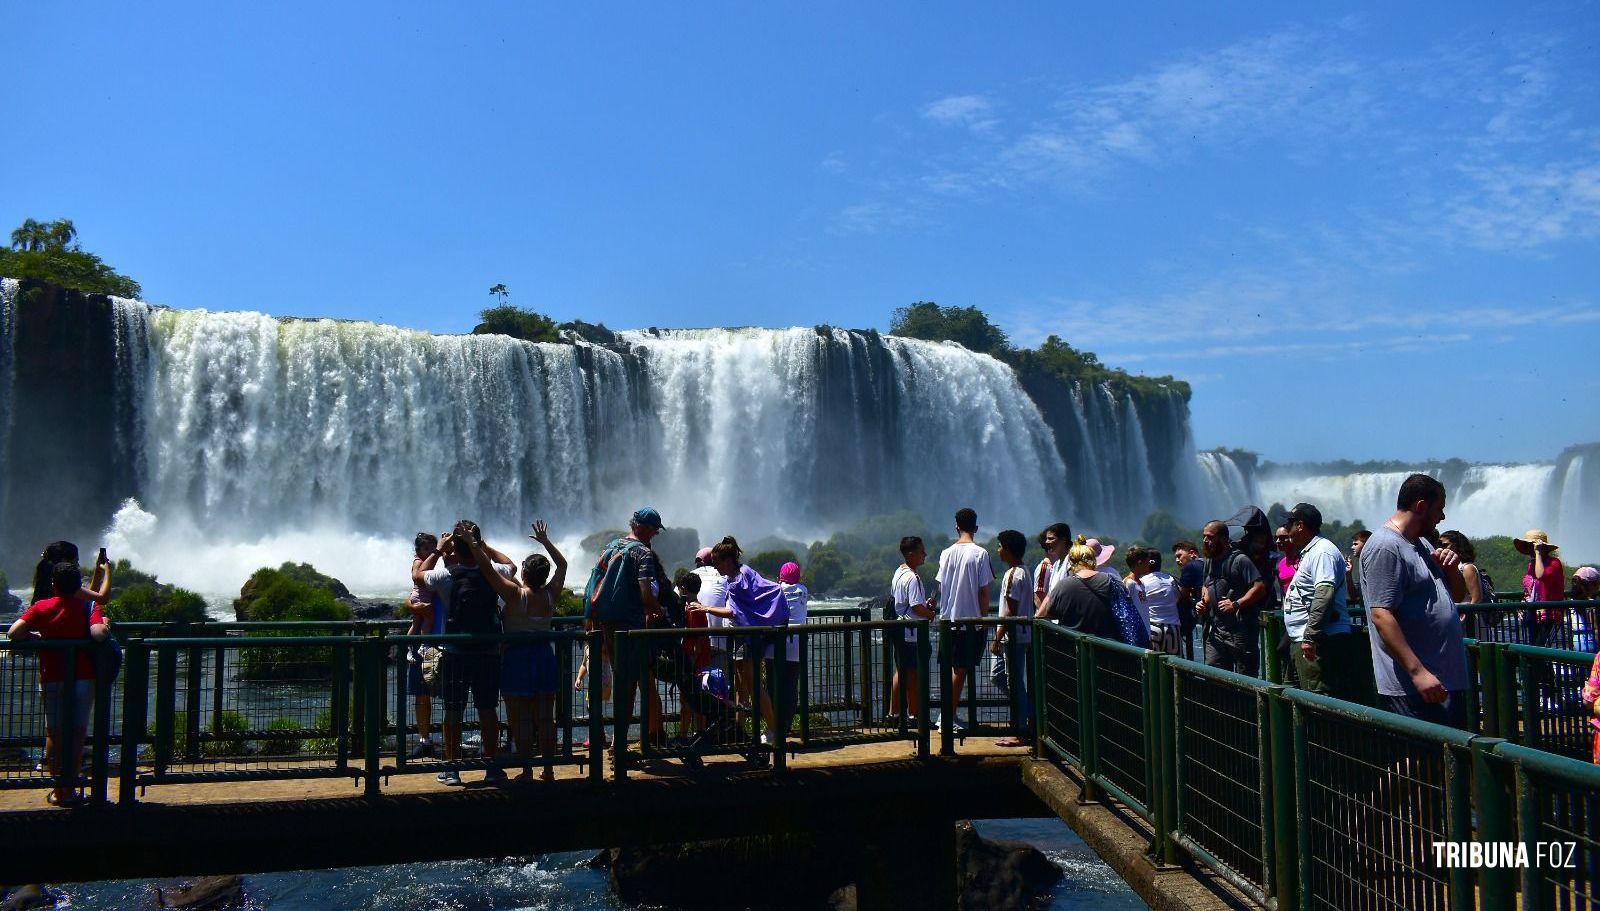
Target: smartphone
{"x":102,"y":557}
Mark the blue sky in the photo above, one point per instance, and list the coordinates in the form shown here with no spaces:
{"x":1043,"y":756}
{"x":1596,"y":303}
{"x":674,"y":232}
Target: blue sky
{"x":1359,"y":231}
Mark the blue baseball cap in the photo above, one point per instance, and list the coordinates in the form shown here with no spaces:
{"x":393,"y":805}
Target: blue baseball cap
{"x":647,"y":515}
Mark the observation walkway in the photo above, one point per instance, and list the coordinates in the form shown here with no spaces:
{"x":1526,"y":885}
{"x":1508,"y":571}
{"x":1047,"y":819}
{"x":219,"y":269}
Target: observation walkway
{"x":255,"y":747}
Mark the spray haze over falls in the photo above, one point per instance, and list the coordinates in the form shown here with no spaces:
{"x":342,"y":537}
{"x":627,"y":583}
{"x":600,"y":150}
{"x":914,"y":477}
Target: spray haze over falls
{"x":236,"y":440}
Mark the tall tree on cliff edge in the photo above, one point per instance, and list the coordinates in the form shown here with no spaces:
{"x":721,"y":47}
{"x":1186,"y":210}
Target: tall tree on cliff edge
{"x":49,"y":252}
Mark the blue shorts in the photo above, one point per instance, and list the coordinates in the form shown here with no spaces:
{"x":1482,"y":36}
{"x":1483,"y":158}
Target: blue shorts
{"x":82,"y":700}
{"x":528,"y":670}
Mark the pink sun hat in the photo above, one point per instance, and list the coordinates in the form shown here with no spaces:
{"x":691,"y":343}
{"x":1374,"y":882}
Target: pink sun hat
{"x":1102,"y":552}
{"x":789,"y":573}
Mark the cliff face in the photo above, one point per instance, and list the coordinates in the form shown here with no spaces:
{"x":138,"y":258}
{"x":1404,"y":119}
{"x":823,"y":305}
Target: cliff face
{"x":64,"y":447}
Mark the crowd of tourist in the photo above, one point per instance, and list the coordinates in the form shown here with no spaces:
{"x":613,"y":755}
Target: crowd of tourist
{"x":1411,"y":577}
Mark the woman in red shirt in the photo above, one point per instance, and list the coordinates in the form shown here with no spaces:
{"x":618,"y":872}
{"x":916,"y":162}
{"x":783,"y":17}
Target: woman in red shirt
{"x":66,"y":616}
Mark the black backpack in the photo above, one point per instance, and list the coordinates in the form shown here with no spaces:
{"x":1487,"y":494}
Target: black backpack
{"x":474,"y":606}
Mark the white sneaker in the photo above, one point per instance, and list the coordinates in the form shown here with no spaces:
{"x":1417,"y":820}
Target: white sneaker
{"x":766,"y":739}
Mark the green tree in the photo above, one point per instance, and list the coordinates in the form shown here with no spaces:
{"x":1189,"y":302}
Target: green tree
{"x":517,"y":323}
{"x":48,"y":252}
{"x":768,"y":562}
{"x":966,"y":326}
{"x":500,"y":293}
{"x":825,"y":566}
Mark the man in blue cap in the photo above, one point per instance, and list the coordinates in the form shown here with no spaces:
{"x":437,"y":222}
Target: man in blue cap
{"x":624,"y":590}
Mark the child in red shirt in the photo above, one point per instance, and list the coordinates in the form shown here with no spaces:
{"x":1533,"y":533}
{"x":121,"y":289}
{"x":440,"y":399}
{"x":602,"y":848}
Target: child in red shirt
{"x":66,"y":616}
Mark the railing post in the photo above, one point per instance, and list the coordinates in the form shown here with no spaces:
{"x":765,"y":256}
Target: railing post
{"x":402,"y":673}
{"x":1088,"y":749}
{"x":191,"y":718}
{"x":1488,"y":701}
{"x":1271,"y":635}
{"x":1529,"y":730}
{"x":1158,"y":749}
{"x":339,"y":712}
{"x":624,"y":680}
{"x":1506,"y":691}
{"x":1302,"y":799}
{"x":166,"y":706}
{"x":135,"y":715}
{"x":1529,"y":817}
{"x":804,"y":686}
{"x":563,"y":649}
{"x":372,"y":690}
{"x":780,"y":701}
{"x":864,"y":658}
{"x":947,"y":692}
{"x":1458,"y":822}
{"x":216,"y":690}
{"x":1493,"y":786}
{"x":597,"y":706}
{"x":924,"y":688}
{"x":1280,"y":814}
{"x":100,"y":732}
{"x":1036,"y":681}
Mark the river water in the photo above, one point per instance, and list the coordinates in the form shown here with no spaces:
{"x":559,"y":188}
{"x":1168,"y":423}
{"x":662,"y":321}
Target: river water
{"x":560,"y":882}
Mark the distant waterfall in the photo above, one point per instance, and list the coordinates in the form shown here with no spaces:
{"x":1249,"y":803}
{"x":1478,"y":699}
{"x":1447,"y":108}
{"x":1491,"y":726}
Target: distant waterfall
{"x":1483,"y":500}
{"x":1229,"y":482}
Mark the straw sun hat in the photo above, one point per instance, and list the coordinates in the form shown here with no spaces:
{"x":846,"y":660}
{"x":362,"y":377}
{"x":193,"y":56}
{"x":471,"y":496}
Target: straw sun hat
{"x":1533,"y":536}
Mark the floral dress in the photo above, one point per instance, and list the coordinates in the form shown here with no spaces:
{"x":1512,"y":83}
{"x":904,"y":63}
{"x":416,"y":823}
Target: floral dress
{"x":1591,"y":694}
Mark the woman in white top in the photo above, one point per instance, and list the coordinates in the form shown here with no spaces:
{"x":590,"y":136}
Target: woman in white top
{"x":1155,"y":593}
{"x":528,"y":678}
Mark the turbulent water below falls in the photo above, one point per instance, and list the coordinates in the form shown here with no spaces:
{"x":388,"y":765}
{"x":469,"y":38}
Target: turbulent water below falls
{"x":562,"y":882}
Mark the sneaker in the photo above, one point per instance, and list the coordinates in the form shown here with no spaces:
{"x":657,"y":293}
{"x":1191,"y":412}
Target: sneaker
{"x":448,"y":776}
{"x":955,"y":724}
{"x":422,"y":750}
{"x":766,"y":739}
{"x":494,"y":773}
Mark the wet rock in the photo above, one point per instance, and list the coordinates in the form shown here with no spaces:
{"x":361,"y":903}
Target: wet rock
{"x":26,"y":898}
{"x":207,"y":892}
{"x":999,"y":875}
{"x":842,"y":899}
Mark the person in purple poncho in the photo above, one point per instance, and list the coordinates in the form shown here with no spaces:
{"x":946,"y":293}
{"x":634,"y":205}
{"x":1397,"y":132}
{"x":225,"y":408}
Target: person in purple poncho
{"x":751,"y":601}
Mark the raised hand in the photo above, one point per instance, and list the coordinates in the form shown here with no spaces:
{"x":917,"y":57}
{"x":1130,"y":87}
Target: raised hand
{"x":541,"y":531}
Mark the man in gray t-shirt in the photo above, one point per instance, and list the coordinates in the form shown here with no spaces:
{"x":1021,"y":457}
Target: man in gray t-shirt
{"x":1418,"y":657}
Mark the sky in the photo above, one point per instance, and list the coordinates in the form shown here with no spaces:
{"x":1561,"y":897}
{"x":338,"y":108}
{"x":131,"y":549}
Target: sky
{"x":1360,"y":231}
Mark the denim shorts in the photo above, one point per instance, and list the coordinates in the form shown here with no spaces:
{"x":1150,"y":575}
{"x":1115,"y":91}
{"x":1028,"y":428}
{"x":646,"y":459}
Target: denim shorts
{"x":82,"y":700}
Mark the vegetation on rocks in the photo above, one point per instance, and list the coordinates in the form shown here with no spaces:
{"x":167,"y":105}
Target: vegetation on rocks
{"x":49,"y":252}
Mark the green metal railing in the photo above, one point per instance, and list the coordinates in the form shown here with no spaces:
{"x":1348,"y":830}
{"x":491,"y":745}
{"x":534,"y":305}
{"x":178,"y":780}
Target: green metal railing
{"x":1302,"y":801}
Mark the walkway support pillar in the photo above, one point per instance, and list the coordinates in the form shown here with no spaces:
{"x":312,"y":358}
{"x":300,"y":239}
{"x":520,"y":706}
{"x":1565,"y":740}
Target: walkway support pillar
{"x":910,"y":866}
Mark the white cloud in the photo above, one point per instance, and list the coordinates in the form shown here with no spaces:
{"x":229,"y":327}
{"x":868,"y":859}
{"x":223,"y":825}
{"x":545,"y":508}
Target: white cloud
{"x":971,"y":111}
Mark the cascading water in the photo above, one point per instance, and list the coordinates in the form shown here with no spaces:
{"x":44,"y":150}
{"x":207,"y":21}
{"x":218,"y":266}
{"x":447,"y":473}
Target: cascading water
{"x":1229,"y":482}
{"x":262,"y":436}
{"x":1482,"y":500}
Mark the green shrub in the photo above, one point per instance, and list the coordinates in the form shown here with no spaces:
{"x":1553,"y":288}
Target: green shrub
{"x":293,"y":591}
{"x":283,"y":745}
{"x":145,"y":602}
{"x":323,"y":745}
{"x":229,"y":722}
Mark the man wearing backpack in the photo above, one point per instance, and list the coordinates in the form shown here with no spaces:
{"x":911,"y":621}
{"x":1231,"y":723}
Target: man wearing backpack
{"x":624,"y":592}
{"x":471,"y":606}
{"x":1230,"y":604}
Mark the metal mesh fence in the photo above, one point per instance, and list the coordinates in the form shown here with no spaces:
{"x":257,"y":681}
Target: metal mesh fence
{"x":1373,"y":802}
{"x":1560,"y":811}
{"x":1221,"y":778}
{"x":1120,"y":723}
{"x":1059,"y":671}
{"x":1553,"y":624}
{"x":1549,"y":687}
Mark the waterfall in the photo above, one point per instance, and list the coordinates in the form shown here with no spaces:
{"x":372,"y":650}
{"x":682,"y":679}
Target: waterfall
{"x":272,"y":439}
{"x":1483,"y":500}
{"x":1228,"y":481}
